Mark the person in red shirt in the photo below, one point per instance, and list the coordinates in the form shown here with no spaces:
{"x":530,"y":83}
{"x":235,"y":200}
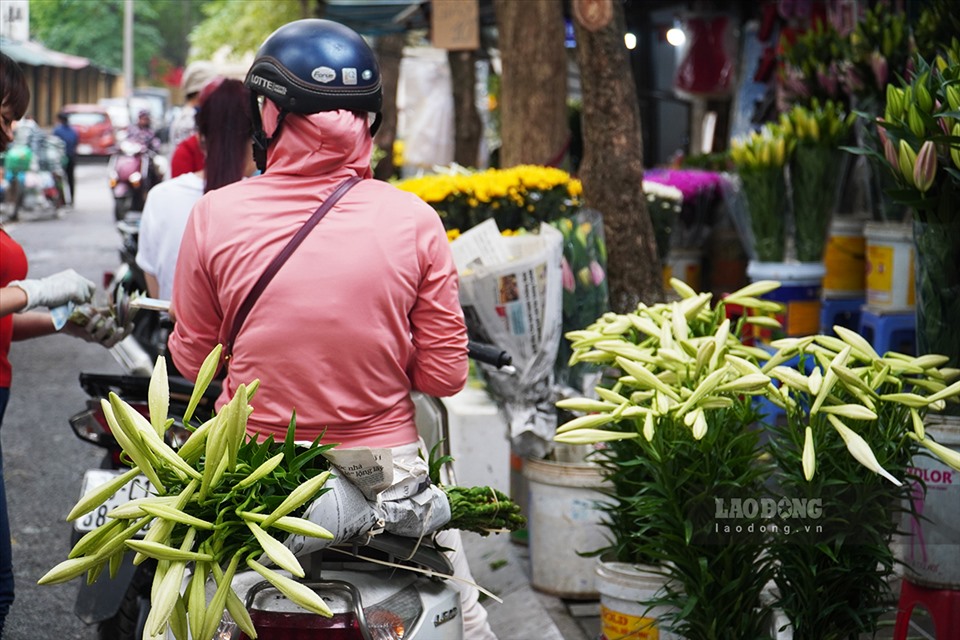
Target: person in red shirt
{"x":18,"y":298}
{"x":187,"y":157}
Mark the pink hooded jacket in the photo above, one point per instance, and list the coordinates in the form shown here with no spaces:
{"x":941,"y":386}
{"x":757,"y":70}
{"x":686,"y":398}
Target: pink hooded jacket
{"x":364,"y":311}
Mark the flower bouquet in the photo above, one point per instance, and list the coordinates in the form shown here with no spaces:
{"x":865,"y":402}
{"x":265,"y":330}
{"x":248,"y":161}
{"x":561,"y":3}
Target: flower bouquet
{"x":759,"y":161}
{"x":920,"y":153}
{"x":815,"y":167}
{"x":517,"y":198}
{"x":664,"y":202}
{"x":811,"y":65}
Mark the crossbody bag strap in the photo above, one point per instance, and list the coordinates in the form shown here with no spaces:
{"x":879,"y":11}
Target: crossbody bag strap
{"x":281,"y":257}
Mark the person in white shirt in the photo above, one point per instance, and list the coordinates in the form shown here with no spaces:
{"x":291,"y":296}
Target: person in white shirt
{"x":225,"y":127}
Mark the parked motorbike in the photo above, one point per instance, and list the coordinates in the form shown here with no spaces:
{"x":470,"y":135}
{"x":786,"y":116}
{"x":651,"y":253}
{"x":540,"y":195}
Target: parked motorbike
{"x":133,"y":170}
{"x":369,"y":600}
{"x":33,"y":169}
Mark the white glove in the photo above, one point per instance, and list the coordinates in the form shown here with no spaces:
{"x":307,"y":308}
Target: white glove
{"x":56,"y":290}
{"x":101,"y":329}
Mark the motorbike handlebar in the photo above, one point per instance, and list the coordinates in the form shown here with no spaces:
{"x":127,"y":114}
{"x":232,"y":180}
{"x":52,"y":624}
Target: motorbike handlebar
{"x":489,"y":354}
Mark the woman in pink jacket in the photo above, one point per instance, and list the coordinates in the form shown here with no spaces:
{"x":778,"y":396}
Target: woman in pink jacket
{"x":366,"y":309}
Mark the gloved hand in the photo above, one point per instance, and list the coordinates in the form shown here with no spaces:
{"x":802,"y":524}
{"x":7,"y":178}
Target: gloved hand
{"x":56,"y":290}
{"x":99,"y":328}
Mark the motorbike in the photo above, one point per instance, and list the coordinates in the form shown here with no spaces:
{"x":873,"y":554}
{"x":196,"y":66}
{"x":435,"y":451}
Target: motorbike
{"x":370,"y":601}
{"x":148,"y":332}
{"x":33,"y":168}
{"x":133,"y":170}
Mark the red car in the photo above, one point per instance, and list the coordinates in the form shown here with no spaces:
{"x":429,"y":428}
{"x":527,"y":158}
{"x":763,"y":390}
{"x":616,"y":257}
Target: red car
{"x":94,"y":128}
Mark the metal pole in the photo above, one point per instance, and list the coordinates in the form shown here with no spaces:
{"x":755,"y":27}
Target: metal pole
{"x":128,"y":50}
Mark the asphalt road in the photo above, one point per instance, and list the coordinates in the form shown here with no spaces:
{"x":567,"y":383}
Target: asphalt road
{"x":43,"y":460}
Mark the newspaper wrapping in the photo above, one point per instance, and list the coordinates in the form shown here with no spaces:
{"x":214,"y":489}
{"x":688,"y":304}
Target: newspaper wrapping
{"x":375,"y":490}
{"x":511,"y":294}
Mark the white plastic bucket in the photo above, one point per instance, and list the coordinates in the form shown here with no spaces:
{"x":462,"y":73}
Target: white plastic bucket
{"x":889,"y":267}
{"x":686,"y":265}
{"x":563,"y":520}
{"x":845,"y":259}
{"x":931,"y":551}
{"x":623,"y":588}
{"x":801,"y":286}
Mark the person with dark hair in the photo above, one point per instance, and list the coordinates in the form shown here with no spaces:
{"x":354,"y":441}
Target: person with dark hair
{"x":70,"y":138}
{"x":365,"y":310}
{"x":224,"y":128}
{"x":19,"y":296}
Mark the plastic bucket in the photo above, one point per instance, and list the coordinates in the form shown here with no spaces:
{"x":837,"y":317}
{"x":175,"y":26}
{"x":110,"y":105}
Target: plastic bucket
{"x":845,"y":260}
{"x":889,"y":267}
{"x":623,"y":588}
{"x":931,"y":552}
{"x":519,"y":489}
{"x":801,"y":285}
{"x":684,"y":264}
{"x":563,"y":520}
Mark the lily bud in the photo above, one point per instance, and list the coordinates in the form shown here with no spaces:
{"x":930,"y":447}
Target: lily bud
{"x":889,"y":152}
{"x":809,"y":456}
{"x":953,"y":97}
{"x":924,"y":99}
{"x":860,"y":450}
{"x":894,"y":107}
{"x":954,"y":149}
{"x":925,"y":169}
{"x":880,"y":68}
{"x":915,"y":120}
{"x":907,"y":158}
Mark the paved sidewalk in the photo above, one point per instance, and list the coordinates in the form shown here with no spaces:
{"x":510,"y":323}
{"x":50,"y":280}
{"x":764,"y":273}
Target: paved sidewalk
{"x":502,"y":567}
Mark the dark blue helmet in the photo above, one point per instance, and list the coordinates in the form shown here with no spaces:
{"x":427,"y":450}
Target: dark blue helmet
{"x":308,"y":66}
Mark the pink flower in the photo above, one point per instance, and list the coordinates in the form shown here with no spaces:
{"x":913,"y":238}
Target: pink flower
{"x":925,"y":168}
{"x":852,"y":79}
{"x":827,"y":78}
{"x":597,"y":272}
{"x":566,"y":276}
{"x":880,"y":68}
{"x":889,"y":151}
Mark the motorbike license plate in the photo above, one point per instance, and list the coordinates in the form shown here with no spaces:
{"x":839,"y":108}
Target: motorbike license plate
{"x":139,"y":487}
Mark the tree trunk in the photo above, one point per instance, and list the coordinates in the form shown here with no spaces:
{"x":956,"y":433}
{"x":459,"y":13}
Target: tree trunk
{"x":389,"y":49}
{"x":533,"y":110}
{"x":468,"y":127}
{"x":612,"y":166}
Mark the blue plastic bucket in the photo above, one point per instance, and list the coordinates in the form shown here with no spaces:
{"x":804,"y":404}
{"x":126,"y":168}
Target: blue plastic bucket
{"x":800,"y":294}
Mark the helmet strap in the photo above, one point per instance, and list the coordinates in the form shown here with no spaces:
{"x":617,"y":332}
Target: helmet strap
{"x":376,"y":124}
{"x":260,"y":140}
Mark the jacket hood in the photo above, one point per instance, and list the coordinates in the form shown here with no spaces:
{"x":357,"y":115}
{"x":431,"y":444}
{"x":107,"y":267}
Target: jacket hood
{"x":318,"y":143}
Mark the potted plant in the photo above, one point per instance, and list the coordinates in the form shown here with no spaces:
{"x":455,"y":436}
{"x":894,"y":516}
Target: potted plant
{"x":854,"y":424}
{"x":688,"y":468}
{"x":676,"y":418}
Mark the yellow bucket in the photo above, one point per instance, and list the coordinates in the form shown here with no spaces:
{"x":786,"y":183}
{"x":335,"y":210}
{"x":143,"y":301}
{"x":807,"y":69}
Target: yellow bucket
{"x":890,"y":266}
{"x":845,"y":260}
